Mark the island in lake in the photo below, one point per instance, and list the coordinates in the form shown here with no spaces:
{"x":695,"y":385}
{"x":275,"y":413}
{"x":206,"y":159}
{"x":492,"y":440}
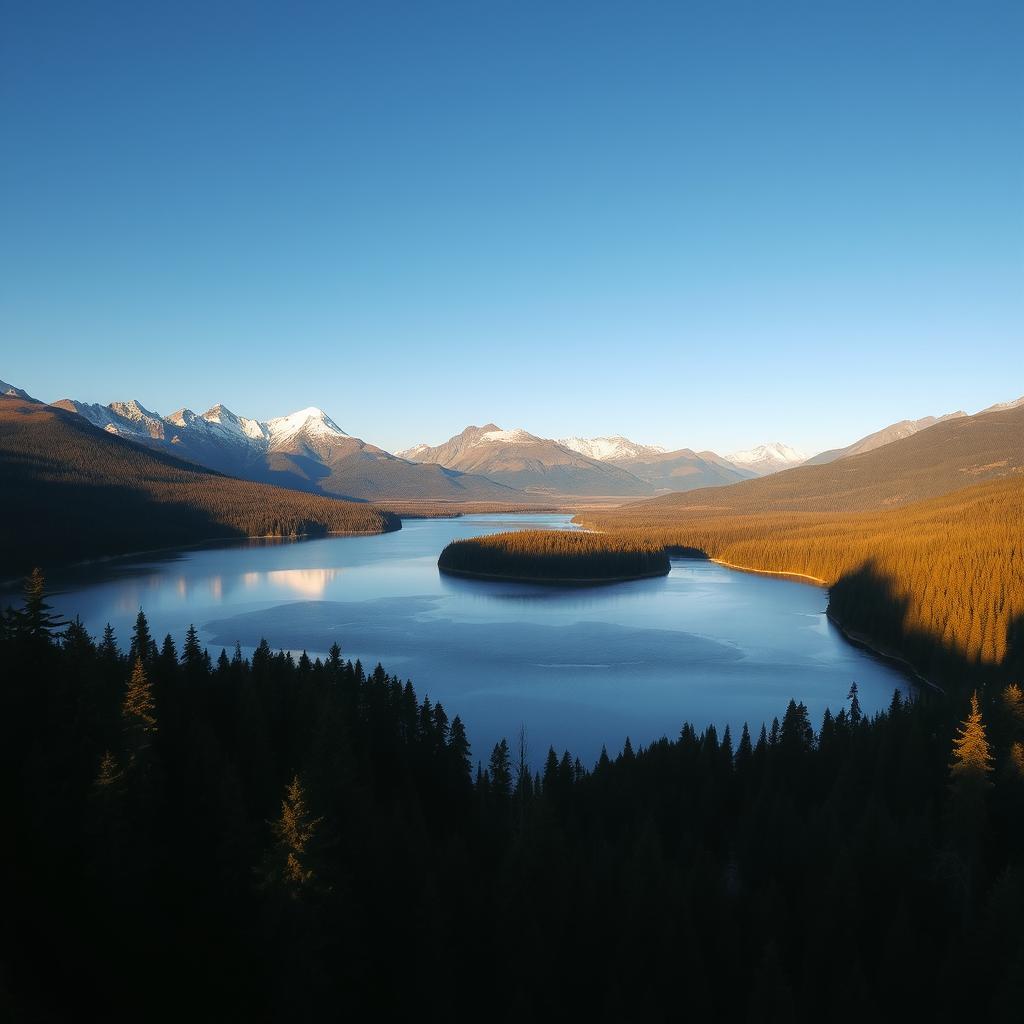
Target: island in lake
{"x":546,"y":556}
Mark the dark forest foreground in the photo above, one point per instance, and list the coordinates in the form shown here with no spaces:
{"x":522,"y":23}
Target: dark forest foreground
{"x":281,"y":839}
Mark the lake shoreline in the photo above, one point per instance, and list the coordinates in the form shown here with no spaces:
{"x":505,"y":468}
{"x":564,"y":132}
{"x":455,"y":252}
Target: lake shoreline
{"x":215,"y":542}
{"x":548,"y":580}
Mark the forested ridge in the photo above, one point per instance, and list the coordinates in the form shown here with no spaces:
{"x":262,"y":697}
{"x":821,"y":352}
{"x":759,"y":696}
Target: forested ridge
{"x":940,"y":582}
{"x":946,"y":457}
{"x":276,"y":838}
{"x":555,"y":555}
{"x":72,"y":491}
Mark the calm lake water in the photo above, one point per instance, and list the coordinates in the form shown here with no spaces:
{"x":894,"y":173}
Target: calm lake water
{"x":581,"y":667}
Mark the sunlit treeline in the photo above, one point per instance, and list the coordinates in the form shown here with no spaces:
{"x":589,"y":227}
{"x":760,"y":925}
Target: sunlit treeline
{"x":945,"y":574}
{"x":556,"y":554}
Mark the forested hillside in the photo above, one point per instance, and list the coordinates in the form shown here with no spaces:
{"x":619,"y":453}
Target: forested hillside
{"x":71,"y":491}
{"x":943,"y":458}
{"x":940,"y":582}
{"x":282,"y":839}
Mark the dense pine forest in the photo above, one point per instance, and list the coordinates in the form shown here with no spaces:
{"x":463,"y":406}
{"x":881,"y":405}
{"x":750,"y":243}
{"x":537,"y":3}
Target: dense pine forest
{"x":555,"y":555}
{"x":940,"y":582}
{"x":198,"y":834}
{"x":72,"y":491}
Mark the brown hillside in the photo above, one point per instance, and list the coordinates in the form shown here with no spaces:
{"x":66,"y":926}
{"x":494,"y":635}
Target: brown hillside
{"x":72,"y":491}
{"x":944,"y":458}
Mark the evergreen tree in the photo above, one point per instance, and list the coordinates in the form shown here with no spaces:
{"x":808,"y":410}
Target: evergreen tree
{"x":143,"y":646}
{"x":36,"y":619}
{"x":972,"y":756}
{"x":500,"y":770}
{"x":192,"y":652}
{"x":138,"y":710}
{"x":294,"y":831}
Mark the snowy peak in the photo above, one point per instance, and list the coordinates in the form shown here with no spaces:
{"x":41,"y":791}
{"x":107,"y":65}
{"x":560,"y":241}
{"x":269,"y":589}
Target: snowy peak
{"x":1003,"y":406}
{"x":610,"y":449}
{"x":310,"y":424}
{"x":496,"y":436}
{"x":10,"y":389}
{"x":767,"y":458}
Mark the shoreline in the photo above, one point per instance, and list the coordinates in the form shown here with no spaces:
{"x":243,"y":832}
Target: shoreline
{"x":859,"y":640}
{"x":851,"y":636}
{"x":770,"y":572}
{"x":551,"y":580}
{"x":12,"y":581}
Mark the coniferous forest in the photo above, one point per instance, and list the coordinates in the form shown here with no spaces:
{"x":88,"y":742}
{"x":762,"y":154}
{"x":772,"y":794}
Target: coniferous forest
{"x":198,"y":834}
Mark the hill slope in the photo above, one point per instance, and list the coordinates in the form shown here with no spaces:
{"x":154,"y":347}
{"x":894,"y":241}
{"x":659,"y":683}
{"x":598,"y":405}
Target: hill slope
{"x":935,"y":461}
{"x":939,"y":582}
{"x":72,"y":491}
{"x":893,"y":432}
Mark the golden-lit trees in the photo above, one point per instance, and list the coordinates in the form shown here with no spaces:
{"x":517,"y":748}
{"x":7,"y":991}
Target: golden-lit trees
{"x":294,"y":831}
{"x":138,"y":710}
{"x":972,"y":755}
{"x":556,"y":555}
{"x":951,"y":568}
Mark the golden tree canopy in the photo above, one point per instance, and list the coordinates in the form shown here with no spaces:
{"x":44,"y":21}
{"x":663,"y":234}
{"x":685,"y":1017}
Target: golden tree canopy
{"x":972,"y":755}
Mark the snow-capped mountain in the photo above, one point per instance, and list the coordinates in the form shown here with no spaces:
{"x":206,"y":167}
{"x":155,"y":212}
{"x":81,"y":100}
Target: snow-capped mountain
{"x":13,"y":392}
{"x":534,"y":464}
{"x":305,"y":450}
{"x":1004,"y":406}
{"x":610,"y":449}
{"x":767,"y":458}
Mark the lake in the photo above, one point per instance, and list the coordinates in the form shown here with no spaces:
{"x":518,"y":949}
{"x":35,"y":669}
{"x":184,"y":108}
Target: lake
{"x":579,"y":667}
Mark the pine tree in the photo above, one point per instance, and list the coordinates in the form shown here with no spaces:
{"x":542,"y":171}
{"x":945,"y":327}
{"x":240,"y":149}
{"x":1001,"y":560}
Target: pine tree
{"x":143,"y":646}
{"x":295,"y":831}
{"x":109,"y":774}
{"x":501,"y":770}
{"x":35,"y":620}
{"x":972,"y":756}
{"x":192,"y":652}
{"x":855,"y":712}
{"x":458,"y":744}
{"x":137,"y":709}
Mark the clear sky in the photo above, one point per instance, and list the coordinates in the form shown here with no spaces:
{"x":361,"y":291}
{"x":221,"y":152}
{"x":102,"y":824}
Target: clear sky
{"x":707,"y":225}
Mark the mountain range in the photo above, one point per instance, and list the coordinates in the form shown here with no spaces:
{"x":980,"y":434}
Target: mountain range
{"x":309,"y":451}
{"x":306,"y":451}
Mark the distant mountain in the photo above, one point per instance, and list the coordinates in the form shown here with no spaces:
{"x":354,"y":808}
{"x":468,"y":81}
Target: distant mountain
{"x":767,"y":458}
{"x":610,"y":449}
{"x":74,"y":491}
{"x":894,"y":432}
{"x":685,"y":470}
{"x":11,"y":391}
{"x":535,"y":464}
{"x":1003,"y":406}
{"x":306,"y":451}
{"x":946,"y":457}
{"x":680,"y":470}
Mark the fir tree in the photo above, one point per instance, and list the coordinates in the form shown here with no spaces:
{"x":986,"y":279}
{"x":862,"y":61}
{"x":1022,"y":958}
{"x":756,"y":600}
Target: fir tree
{"x":36,"y":620}
{"x":972,"y":756}
{"x":137,"y":709}
{"x":143,"y":646}
{"x":294,"y":832}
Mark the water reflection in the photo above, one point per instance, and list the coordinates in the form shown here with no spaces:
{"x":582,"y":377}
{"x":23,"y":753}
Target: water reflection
{"x":581,"y":667}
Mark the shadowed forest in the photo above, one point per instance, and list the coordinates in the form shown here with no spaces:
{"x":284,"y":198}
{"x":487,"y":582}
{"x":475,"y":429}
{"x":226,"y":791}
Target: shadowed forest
{"x":555,"y":555}
{"x":280,"y":838}
{"x":939,"y":582}
{"x":73,"y":492}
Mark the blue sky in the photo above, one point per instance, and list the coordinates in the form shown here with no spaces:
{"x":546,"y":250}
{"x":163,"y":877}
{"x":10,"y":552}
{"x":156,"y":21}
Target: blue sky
{"x":694,"y":224}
